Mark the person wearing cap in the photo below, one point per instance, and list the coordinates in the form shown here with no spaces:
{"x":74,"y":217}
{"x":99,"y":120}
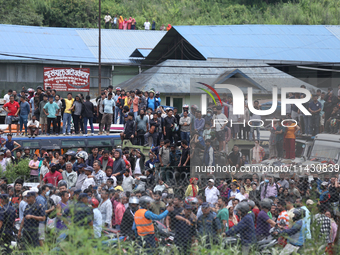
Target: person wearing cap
{"x":53,"y":176}
{"x":88,"y":181}
{"x":12,"y":109}
{"x":7,"y":219}
{"x":10,"y":144}
{"x":208,"y":224}
{"x":26,"y":154}
{"x":81,"y":176}
{"x":81,"y":214}
{"x":185,"y":234}
{"x":29,"y":228}
{"x":211,"y":192}
{"x":128,"y":218}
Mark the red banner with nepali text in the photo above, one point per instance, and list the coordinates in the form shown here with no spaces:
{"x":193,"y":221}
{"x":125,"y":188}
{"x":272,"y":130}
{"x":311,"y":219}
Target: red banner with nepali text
{"x":67,"y":79}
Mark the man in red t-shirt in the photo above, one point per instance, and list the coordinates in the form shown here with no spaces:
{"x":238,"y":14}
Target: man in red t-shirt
{"x":12,"y":108}
{"x":53,"y":176}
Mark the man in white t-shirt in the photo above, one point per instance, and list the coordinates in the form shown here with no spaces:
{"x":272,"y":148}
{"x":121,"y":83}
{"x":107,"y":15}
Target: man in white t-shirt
{"x":147,"y":25}
{"x":7,"y":99}
{"x":128,"y":181}
{"x":107,"y":20}
{"x":211,"y":192}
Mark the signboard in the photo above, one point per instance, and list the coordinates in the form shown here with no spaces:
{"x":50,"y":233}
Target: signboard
{"x":67,"y":79}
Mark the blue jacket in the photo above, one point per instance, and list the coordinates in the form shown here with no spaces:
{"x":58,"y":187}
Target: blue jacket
{"x":297,"y":233}
{"x":237,"y":191}
{"x":246,"y":229}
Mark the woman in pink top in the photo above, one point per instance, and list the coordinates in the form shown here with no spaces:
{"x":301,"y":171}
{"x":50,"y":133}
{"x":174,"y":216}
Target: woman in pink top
{"x":125,"y":24}
{"x":129,"y":22}
{"x":120,"y":209}
{"x":34,"y":166}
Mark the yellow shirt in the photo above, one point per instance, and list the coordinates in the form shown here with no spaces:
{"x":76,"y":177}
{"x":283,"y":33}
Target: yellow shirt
{"x":68,"y":105}
{"x":247,"y":190}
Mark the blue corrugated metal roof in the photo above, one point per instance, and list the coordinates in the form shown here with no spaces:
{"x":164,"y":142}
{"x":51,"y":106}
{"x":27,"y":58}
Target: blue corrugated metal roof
{"x":265,"y":42}
{"x":43,"y":42}
{"x":72,"y":44}
{"x":117,"y":45}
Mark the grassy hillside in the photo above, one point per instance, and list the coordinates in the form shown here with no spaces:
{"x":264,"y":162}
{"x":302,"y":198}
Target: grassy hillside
{"x":83,"y":13}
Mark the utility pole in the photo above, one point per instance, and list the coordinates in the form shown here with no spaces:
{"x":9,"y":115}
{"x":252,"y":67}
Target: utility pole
{"x":99,"y":52}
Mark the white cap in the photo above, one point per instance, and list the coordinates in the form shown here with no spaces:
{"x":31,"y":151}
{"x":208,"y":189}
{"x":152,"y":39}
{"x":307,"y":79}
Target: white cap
{"x":25,"y":193}
{"x":36,"y":190}
{"x":211,"y":180}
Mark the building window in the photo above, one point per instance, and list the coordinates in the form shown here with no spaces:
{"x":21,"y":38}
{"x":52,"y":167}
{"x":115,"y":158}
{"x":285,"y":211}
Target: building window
{"x":178,"y":102}
{"x":167,"y":101}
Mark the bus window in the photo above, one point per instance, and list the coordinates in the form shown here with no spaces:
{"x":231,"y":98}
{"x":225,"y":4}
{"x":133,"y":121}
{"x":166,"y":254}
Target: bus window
{"x":117,"y":142}
{"x":98,"y":143}
{"x":72,"y":144}
{"x":49,"y":143}
{"x":31,"y":144}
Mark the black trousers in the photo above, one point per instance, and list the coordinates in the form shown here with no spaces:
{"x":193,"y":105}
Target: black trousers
{"x":58,"y":127}
{"x":49,"y":121}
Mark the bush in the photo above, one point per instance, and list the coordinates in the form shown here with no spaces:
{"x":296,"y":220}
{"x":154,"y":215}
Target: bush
{"x":20,"y":170}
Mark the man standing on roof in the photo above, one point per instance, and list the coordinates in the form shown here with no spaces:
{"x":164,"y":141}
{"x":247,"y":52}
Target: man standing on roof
{"x":12,"y":108}
{"x":107,"y":20}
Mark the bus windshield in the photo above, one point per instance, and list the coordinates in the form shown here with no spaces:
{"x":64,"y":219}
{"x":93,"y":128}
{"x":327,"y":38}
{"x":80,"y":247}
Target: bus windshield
{"x":325,"y":150}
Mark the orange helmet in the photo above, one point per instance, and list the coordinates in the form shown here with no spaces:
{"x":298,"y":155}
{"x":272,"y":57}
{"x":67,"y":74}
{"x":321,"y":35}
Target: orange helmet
{"x":94,"y":202}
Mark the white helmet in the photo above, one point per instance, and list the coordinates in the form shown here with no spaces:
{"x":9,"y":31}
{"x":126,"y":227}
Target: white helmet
{"x":83,"y":155}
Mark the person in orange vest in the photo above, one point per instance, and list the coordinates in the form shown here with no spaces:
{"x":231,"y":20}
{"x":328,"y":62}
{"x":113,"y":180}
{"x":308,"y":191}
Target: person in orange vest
{"x":143,"y":220}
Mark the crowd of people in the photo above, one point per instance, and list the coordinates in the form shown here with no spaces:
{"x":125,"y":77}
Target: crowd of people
{"x":119,"y":190}
{"x":127,"y":190}
{"x":118,"y":22}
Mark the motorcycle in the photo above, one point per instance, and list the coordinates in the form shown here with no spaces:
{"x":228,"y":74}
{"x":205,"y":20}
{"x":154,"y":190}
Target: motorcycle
{"x":263,"y":246}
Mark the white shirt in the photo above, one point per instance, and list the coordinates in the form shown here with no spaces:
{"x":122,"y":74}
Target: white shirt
{"x":6,"y":97}
{"x":137,"y":168}
{"x":97,"y":223}
{"x":147,"y":25}
{"x":36,"y":123}
{"x":211,"y":195}
{"x":220,"y":120}
{"x":239,"y":196}
{"x":3,"y":164}
{"x":127,"y":183}
{"x":87,"y":182}
{"x":107,"y":18}
{"x":105,"y":209}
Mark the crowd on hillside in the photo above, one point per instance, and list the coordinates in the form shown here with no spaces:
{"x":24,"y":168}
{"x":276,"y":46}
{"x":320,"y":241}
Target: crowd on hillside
{"x":130,"y":24}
